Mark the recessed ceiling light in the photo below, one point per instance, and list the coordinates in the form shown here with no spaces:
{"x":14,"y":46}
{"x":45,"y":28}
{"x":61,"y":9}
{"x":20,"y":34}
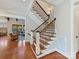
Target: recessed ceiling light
{"x":23,"y":0}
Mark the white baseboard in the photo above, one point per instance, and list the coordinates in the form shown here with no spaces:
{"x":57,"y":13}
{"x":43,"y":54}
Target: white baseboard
{"x":51,"y":51}
{"x":45,"y":53}
{"x":61,"y":52}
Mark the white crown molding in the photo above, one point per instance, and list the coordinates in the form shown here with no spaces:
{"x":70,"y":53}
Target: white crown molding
{"x":12,"y":14}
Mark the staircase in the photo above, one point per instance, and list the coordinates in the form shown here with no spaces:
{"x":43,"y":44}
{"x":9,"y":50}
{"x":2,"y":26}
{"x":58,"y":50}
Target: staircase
{"x":47,"y":34}
{"x":43,"y":36}
{"x":47,"y":37}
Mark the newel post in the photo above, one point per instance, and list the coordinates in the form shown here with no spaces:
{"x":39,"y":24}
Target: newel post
{"x":37,"y":43}
{"x":31,"y":41}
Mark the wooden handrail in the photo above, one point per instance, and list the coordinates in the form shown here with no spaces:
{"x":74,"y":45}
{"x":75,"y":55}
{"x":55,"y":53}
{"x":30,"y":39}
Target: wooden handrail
{"x":41,"y":24}
{"x":49,"y":24}
{"x":29,"y":34}
{"x":42,"y":8}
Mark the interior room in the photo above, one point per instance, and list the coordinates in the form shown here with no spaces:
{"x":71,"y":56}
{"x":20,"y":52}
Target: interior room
{"x":12,"y":26}
{"x":37,"y":29}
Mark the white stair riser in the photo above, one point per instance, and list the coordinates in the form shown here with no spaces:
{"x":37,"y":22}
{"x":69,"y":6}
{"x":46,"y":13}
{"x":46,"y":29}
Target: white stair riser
{"x":49,"y":34}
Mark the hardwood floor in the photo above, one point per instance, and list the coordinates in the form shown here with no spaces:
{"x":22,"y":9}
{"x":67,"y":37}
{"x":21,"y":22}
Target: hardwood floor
{"x":14,"y":49}
{"x":77,"y":55}
{"x":21,"y":50}
{"x":54,"y":55}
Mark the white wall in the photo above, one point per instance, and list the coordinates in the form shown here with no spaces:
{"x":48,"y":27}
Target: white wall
{"x":76,"y":28}
{"x":3,"y":22}
{"x":63,"y":27}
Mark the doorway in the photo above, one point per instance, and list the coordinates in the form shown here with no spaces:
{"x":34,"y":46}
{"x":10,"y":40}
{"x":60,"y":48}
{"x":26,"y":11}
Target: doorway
{"x":20,"y":29}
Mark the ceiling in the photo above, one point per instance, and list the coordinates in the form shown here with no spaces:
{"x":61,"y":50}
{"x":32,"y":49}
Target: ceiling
{"x":18,"y":7}
{"x":15,"y":6}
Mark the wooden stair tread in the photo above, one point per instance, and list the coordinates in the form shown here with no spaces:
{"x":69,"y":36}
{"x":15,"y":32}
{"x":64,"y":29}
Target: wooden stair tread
{"x":44,"y":42}
{"x":50,"y":26}
{"x":42,"y":47}
{"x":50,"y":32}
{"x":46,"y":38}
